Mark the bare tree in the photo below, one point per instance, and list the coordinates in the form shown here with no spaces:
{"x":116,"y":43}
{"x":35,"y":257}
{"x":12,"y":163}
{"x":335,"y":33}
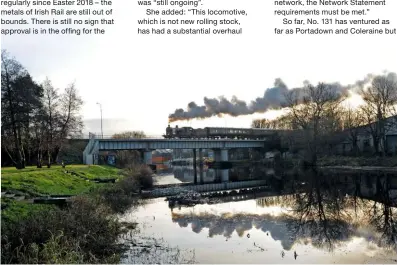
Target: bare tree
{"x":257,"y":123}
{"x":125,"y":157}
{"x":70,"y":119}
{"x":315,"y":111}
{"x":38,"y":132}
{"x":35,"y":120}
{"x":352,"y":122}
{"x":380,"y":103}
{"x":283,"y":122}
{"x":129,"y":135}
{"x":51,"y":104}
{"x":62,"y":117}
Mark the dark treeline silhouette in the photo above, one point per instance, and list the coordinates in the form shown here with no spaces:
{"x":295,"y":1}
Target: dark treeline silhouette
{"x":36,"y":118}
{"x":324,"y":119}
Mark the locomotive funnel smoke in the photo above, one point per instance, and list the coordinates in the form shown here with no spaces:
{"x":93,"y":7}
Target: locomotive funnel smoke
{"x":273,"y":98}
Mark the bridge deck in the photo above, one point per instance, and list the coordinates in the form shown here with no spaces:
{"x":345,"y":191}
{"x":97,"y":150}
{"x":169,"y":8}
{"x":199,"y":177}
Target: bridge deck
{"x":127,"y":144}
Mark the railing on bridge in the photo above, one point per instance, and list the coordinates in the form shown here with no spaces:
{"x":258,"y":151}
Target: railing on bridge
{"x":111,"y":136}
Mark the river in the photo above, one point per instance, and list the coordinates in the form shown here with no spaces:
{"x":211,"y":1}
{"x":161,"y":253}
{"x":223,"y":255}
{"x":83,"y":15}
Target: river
{"x":324,"y":220}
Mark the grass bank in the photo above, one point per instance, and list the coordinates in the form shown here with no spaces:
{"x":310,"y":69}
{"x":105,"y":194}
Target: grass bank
{"x":72,"y":180}
{"x":85,"y":231}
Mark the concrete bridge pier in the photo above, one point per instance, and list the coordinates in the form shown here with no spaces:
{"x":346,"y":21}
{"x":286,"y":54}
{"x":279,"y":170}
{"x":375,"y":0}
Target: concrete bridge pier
{"x":225,"y":172}
{"x":195,"y":165}
{"x":201,"y":165}
{"x":217,"y":155}
{"x":224,"y":155}
{"x":221,"y":154}
{"x":224,"y":175}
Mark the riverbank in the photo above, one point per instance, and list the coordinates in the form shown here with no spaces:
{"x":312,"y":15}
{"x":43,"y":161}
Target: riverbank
{"x":19,"y":187}
{"x":71,"y":180}
{"x":341,"y":161}
{"x":349,"y":161}
{"x":86,"y":230}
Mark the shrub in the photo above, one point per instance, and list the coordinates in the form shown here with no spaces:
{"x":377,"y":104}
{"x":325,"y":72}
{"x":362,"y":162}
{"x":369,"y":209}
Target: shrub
{"x":93,"y":225}
{"x":140,"y":174}
{"x":117,"y":198}
{"x":146,"y":177}
{"x":129,"y":185}
{"x":85,"y":232}
{"x":122,"y":195}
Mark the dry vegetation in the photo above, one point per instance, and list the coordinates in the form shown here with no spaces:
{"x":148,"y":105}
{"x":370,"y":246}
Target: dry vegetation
{"x":86,"y":231}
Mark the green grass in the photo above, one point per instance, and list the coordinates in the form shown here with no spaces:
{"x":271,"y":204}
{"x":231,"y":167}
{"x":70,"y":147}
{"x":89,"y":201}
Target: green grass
{"x":54,"y":181}
{"x":19,"y":210}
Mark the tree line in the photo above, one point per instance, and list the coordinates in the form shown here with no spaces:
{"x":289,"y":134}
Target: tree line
{"x":36,"y":118}
{"x":320,"y":116}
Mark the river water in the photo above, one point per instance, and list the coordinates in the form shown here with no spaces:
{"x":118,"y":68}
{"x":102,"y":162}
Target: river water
{"x":322,"y":220}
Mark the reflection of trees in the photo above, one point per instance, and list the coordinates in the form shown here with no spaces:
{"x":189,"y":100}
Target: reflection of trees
{"x":282,"y":201}
{"x":319,"y":211}
{"x":325,"y":215}
{"x":382,"y":216}
{"x":279,"y":227}
{"x":226,"y":224}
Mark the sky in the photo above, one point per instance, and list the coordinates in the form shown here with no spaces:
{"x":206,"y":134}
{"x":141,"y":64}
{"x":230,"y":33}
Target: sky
{"x":140,"y":79}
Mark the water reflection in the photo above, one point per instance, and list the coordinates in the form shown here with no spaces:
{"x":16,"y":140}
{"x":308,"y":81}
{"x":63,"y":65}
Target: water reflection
{"x":326,"y":209}
{"x":311,"y":214}
{"x":185,"y":173}
{"x":227,"y":224}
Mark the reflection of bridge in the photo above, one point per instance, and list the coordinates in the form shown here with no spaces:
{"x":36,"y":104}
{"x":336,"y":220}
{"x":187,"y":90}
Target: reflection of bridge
{"x":381,"y":190}
{"x":172,"y":190}
{"x":186,"y":174}
{"x":257,"y":193}
{"x":146,"y":146}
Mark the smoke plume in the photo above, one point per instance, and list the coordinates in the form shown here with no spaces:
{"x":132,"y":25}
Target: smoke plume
{"x":273,"y":98}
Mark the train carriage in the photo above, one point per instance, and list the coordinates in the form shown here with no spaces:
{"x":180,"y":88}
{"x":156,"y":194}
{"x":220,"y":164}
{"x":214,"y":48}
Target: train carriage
{"x":218,"y":133}
{"x":260,"y":133}
{"x":201,"y":133}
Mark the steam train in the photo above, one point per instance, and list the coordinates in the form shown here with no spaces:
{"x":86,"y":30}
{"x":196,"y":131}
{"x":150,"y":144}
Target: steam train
{"x":217,"y":133}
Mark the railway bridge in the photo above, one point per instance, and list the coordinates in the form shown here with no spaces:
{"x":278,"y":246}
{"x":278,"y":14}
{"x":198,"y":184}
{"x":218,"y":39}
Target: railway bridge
{"x":147,"y":145}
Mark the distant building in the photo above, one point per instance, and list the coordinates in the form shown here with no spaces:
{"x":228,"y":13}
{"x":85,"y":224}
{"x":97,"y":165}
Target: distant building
{"x":365,"y":142}
{"x":161,"y":156}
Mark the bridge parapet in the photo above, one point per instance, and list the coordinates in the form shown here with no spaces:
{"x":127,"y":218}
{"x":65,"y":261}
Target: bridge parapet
{"x":130,"y":144}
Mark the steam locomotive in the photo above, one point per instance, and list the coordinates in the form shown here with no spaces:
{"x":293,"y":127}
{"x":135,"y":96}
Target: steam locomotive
{"x":217,"y":133}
